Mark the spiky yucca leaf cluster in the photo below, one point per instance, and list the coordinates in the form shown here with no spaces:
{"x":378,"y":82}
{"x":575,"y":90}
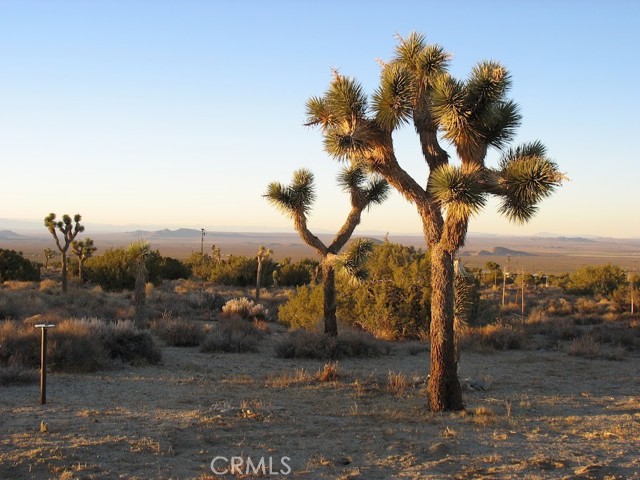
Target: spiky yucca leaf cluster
{"x":426,"y":61}
{"x":476,"y":112}
{"x":525,"y":178}
{"x":391,"y":101}
{"x":365,"y":189}
{"x":459,"y":190}
{"x":296,"y":198}
{"x":352,"y":263}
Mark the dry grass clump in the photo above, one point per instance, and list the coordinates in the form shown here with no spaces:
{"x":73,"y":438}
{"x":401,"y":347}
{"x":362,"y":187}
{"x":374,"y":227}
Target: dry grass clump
{"x":496,"y":336}
{"x":329,"y":373}
{"x":232,"y":335}
{"x":287,"y":379}
{"x":49,"y":286}
{"x":16,"y":375}
{"x":178,"y":332}
{"x":17,"y":285}
{"x":397,"y":383}
{"x":305,"y":344}
{"x":244,"y":308}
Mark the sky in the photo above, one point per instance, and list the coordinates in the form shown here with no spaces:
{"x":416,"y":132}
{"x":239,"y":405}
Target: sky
{"x":169,"y":114}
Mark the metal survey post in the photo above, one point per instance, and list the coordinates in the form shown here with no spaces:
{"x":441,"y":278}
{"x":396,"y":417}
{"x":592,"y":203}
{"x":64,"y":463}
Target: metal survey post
{"x":43,"y":361}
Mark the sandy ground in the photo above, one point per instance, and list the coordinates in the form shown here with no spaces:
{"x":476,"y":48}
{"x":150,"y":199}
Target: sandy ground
{"x":542,"y":415}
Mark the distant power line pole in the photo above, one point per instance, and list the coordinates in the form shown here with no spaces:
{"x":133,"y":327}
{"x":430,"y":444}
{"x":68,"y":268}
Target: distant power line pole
{"x":202,"y":243}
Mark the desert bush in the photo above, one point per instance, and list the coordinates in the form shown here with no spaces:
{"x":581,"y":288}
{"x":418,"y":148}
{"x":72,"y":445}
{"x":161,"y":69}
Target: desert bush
{"x":178,"y":332}
{"x":596,"y":280}
{"x":392,"y":302}
{"x":19,"y":345}
{"x":586,"y":346}
{"x":73,"y":347}
{"x":116,"y":268}
{"x":493,"y":337}
{"x":13,"y":266}
{"x":16,"y":375}
{"x":559,"y":306}
{"x":295,"y":274}
{"x":126,"y":343}
{"x":232,"y":335}
{"x":306,"y":344}
{"x":173,"y":269}
{"x":303,"y":309}
{"x":586,"y":305}
{"x":557,"y":329}
{"x":79,"y":345}
{"x":235,"y":270}
{"x":245,"y":309}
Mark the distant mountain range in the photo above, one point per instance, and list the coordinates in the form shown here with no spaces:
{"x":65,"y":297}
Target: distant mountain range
{"x":9,"y":235}
{"x":503,"y":251}
{"x":166,"y":233}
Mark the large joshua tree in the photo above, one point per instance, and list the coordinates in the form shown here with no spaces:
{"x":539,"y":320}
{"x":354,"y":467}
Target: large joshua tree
{"x":296,"y":199}
{"x":473,"y":115}
{"x":69,"y":232}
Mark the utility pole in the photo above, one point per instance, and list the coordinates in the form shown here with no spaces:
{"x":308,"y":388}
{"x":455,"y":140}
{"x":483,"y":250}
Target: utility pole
{"x":505,"y":272}
{"x":522,"y":311}
{"x":202,"y":243}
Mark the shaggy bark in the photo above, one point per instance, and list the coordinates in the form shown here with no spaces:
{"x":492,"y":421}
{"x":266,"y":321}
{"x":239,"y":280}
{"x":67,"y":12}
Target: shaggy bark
{"x":444,"y":390}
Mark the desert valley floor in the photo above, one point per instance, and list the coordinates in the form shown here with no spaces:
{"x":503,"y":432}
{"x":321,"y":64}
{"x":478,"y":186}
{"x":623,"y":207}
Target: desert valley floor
{"x":534,"y":414}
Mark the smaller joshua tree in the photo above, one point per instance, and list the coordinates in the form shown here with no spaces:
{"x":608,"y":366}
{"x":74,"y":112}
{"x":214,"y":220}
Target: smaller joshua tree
{"x":83,"y":250}
{"x":138,"y":252}
{"x":296,"y":199}
{"x":263,"y":254}
{"x":69,"y":232}
{"x":49,"y":253}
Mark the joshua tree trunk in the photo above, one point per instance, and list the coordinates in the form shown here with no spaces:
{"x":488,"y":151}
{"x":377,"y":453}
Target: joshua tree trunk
{"x":258,"y":279}
{"x":444,"y":390}
{"x":64,"y":272}
{"x":329,"y":310}
{"x":140,"y":297}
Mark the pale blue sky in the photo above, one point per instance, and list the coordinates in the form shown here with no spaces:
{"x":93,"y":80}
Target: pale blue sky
{"x":179,"y":113}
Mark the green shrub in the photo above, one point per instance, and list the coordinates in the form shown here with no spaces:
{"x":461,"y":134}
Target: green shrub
{"x":116,"y":268}
{"x":599,"y":280}
{"x":294,"y":274}
{"x":393,"y":302}
{"x":173,"y":269}
{"x":13,"y":266}
{"x":303,"y":309}
{"x":236,"y":270}
{"x":232,"y":335}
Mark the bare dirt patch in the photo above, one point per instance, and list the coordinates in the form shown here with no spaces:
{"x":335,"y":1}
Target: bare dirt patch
{"x":529,"y":415}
